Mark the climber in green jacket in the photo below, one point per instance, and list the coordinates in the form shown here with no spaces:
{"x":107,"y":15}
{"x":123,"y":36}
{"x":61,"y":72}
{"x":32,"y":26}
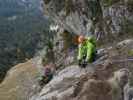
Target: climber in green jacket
{"x":86,"y":49}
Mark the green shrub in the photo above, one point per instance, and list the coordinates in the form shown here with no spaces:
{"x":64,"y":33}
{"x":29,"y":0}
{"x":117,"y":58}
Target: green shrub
{"x":46,"y":1}
{"x":68,"y":6}
{"x":67,"y":38}
{"x":109,"y":2}
{"x":130,"y":52}
{"x":130,"y":5}
{"x":130,"y":2}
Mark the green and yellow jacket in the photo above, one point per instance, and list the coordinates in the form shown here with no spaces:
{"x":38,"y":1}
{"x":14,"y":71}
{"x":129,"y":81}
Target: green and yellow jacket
{"x":87,"y":49}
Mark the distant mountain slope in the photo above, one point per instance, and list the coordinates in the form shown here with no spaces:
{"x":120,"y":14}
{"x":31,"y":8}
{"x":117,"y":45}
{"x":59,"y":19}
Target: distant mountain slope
{"x":18,"y":14}
{"x":22,"y":29}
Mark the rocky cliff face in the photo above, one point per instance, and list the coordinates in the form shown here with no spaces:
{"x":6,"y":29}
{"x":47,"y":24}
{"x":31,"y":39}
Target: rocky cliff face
{"x":98,"y":81}
{"x":109,"y":21}
{"x":71,"y":82}
{"x":20,"y":82}
{"x":111,"y":17}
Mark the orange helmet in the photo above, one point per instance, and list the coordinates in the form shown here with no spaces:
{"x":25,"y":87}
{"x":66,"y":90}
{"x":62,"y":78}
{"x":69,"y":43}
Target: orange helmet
{"x":81,"y":39}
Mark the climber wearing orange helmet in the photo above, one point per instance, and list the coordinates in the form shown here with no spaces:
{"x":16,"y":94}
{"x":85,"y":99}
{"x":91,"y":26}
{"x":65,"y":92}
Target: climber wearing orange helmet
{"x":81,"y":39}
{"x":86,"y":49}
